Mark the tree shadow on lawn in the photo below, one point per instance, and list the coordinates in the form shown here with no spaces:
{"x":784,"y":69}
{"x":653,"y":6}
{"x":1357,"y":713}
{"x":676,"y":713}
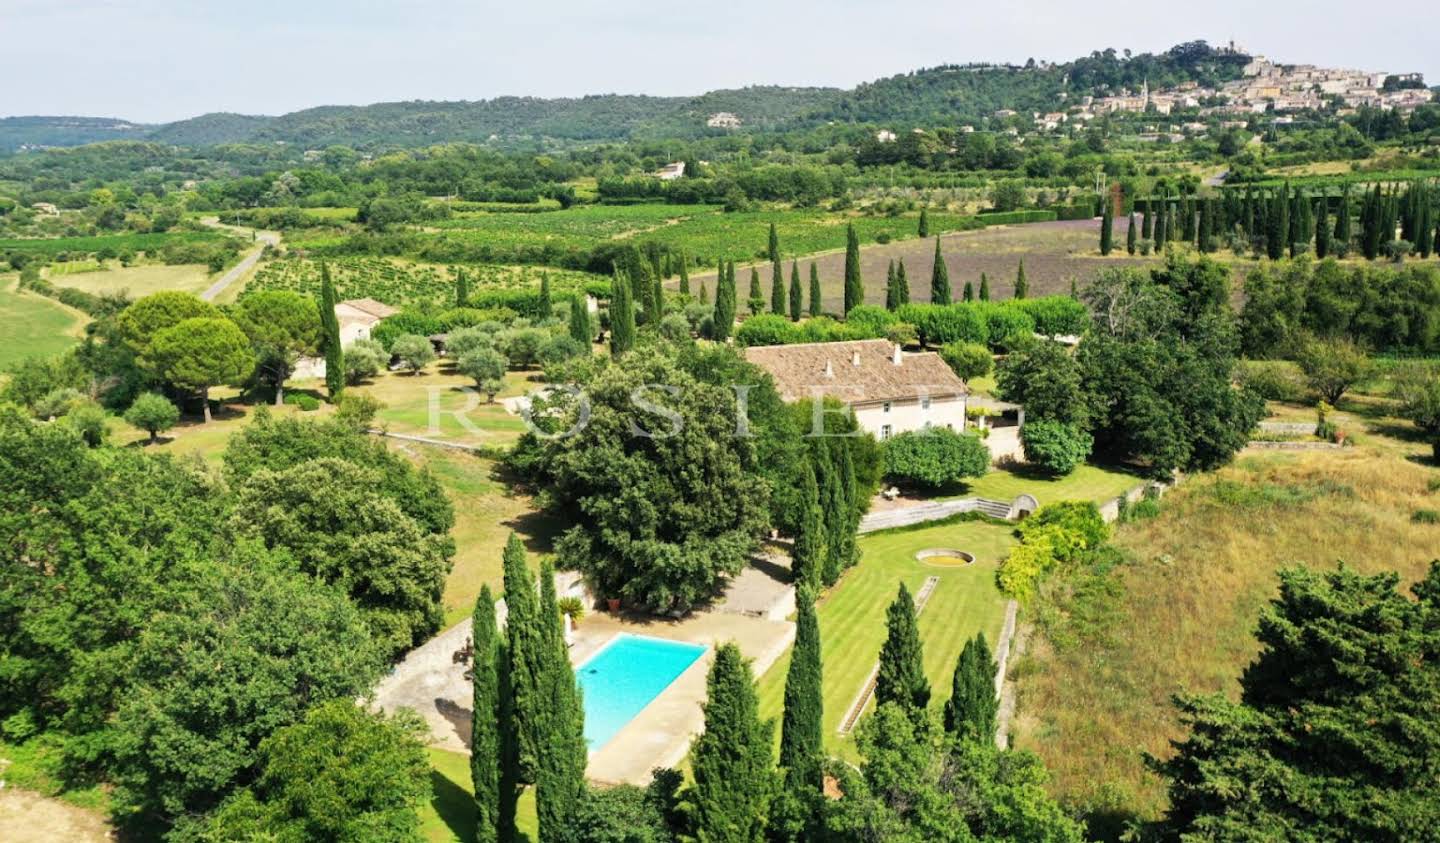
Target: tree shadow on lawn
{"x":454,"y":805}
{"x":537,"y":529}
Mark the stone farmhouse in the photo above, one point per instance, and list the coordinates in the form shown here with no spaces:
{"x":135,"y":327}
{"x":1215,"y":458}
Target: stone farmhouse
{"x":358,"y":316}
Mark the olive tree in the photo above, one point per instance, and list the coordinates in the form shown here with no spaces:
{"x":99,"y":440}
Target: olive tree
{"x":152,"y":413}
{"x":486,"y":367}
{"x":415,"y":352}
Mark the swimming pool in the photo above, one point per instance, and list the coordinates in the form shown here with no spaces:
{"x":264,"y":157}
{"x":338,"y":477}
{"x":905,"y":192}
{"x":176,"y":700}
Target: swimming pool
{"x":620,"y":680}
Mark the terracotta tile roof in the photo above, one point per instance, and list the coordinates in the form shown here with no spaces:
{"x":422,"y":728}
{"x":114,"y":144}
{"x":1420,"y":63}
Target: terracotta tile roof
{"x":378,"y":309}
{"x":859,"y":371}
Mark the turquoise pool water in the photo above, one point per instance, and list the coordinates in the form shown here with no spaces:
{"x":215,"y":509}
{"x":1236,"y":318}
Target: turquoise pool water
{"x":623,"y":678}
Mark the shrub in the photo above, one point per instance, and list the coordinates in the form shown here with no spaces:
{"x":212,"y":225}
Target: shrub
{"x":1273,"y":380}
{"x":766,"y":329}
{"x":357,"y":410}
{"x":938,"y":323}
{"x":1425,"y":516}
{"x":935,"y":457}
{"x":1005,"y":323}
{"x":967,"y":360}
{"x":58,"y":402}
{"x":558,"y":348}
{"x":902,"y":333}
{"x":522,"y":345}
{"x":1054,"y":446}
{"x":462,"y":341}
{"x":89,"y":420}
{"x":1056,"y":315}
{"x":871,"y":319}
{"x":306,"y":403}
{"x":1081,"y":519}
{"x":675,"y":327}
{"x":1021,"y":571}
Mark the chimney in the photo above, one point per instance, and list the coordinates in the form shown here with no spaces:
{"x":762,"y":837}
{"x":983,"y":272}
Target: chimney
{"x":829,"y":370}
{"x":896,"y":358}
{"x":855,"y":359}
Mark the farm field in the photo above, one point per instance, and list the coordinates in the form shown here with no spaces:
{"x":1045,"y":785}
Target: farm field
{"x":34,"y":326}
{"x":49,"y":248}
{"x":852,"y":615}
{"x":1111,"y":647}
{"x":399,"y":282}
{"x":1054,"y":253}
{"x":138,"y":281}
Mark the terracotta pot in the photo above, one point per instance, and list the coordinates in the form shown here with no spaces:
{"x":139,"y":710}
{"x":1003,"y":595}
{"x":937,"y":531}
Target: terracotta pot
{"x":614,"y":604}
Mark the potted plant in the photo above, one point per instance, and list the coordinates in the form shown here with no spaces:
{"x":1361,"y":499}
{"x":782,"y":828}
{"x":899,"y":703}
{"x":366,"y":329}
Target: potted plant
{"x":573,"y":608}
{"x":613,"y":603}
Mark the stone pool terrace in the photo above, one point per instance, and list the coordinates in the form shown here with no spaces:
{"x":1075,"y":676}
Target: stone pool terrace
{"x":432,"y":683}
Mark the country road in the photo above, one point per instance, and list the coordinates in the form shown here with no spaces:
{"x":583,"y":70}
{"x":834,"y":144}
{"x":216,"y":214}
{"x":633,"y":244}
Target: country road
{"x":247,"y":263}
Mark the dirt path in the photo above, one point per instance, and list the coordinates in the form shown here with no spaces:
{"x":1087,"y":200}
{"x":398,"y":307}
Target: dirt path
{"x":247,"y":263}
{"x":27,"y":817}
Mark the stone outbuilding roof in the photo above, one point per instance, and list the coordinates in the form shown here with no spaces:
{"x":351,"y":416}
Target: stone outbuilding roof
{"x":371,"y":307}
{"x":855,"y":371}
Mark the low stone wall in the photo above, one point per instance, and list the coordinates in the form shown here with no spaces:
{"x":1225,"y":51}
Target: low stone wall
{"x":1110,"y":510}
{"x":1259,"y":445}
{"x":1286,"y":427}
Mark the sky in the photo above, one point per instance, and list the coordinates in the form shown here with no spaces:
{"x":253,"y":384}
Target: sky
{"x":162,"y":60}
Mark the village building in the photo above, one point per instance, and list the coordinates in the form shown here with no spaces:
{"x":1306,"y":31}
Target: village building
{"x":671,"y":172}
{"x":358,"y":316}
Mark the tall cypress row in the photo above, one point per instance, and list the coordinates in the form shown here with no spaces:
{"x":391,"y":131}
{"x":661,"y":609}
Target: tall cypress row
{"x":1107,"y":226}
{"x":485,"y":729}
{"x":939,"y":278}
{"x":330,"y":336}
{"x":1022,"y":286}
{"x":773,"y":250}
{"x":1341,"y":243}
{"x":462,"y":289}
{"x":779,"y":303}
{"x":815,"y":302}
{"x":969,"y":292}
{"x":1130,"y":235}
{"x":902,"y":284}
{"x":526,"y":667}
{"x":850,"y":509}
{"x":807,"y":559}
{"x":545,"y":308}
{"x":1278,"y":228}
{"x":984,"y":287}
{"x":1147,"y":228}
{"x":1160,"y":232}
{"x":833,"y":505}
{"x":622,"y":315}
{"x":854,"y":286}
{"x":901,"y":678}
{"x":1187,"y":219}
{"x":802,"y":750}
{"x":970,"y":712}
{"x":731,"y":762}
{"x":1322,"y":227}
{"x":562,"y":754}
{"x":724,"y":319}
{"x":891,"y":301}
{"x":924,"y":229}
{"x":797,"y":301}
{"x":580,"y":319}
{"x":756,"y":302}
{"x":684,"y":261}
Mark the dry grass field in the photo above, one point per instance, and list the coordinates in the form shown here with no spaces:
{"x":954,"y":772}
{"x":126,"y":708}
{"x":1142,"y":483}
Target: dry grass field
{"x":138,"y":281}
{"x":1111,"y":647}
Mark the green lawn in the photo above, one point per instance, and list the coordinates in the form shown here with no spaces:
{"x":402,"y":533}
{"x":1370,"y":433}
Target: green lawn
{"x":33,"y":326}
{"x":450,"y":816}
{"x":852,"y":615}
{"x":459,"y":413}
{"x":1088,"y":482}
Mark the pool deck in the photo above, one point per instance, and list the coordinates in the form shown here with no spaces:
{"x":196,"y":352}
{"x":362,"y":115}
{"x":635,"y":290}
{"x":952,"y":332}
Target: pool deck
{"x":432,"y":683}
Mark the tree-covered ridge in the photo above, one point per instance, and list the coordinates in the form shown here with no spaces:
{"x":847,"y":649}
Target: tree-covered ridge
{"x":941,"y":94}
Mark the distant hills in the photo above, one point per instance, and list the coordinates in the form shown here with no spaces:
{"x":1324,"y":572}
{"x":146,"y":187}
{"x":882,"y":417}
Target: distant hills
{"x":933,"y":96}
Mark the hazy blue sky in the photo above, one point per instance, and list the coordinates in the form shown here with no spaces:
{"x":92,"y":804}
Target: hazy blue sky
{"x":157,"y":60}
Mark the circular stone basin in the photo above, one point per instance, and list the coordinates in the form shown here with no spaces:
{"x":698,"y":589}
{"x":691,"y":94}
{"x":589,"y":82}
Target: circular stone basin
{"x":945,"y":557}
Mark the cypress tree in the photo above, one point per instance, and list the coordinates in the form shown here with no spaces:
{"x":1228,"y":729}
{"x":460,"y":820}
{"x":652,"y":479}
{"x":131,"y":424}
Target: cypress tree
{"x":796,"y":302}
{"x":773,"y":252}
{"x":968,"y":294}
{"x":1187,"y":219}
{"x":1277,"y":230}
{"x":971,"y":710}
{"x":545,"y":309}
{"x":924,"y":230}
{"x":485,"y":731}
{"x":849,"y":509}
{"x":939,"y":278}
{"x":1130,"y":235}
{"x":1160,"y":232}
{"x":815,"y":303}
{"x":802,"y":751}
{"x":902,"y":284}
{"x":891,"y":299}
{"x":622,"y":315}
{"x":807,"y":560}
{"x":1425,"y":233}
{"x":657,"y":299}
{"x":1147,"y":227}
{"x":854,"y":287}
{"x":833,"y":506}
{"x":731,"y":762}
{"x":684,"y":262}
{"x":330,"y":336}
{"x":462,"y":288}
{"x":562,"y":754}
{"x":724,"y":319}
{"x":1342,"y":224}
{"x":1022,"y":286}
{"x":1074,"y":289}
{"x":704,"y":294}
{"x":757,"y":298}
{"x":1203,"y":235}
{"x":1107,"y":226}
{"x":1322,"y":227}
{"x":580,"y":319}
{"x":984,"y":287}
{"x":1370,"y":224}
{"x":526,"y":667}
{"x":901,"y":678}
{"x":779,"y":303}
